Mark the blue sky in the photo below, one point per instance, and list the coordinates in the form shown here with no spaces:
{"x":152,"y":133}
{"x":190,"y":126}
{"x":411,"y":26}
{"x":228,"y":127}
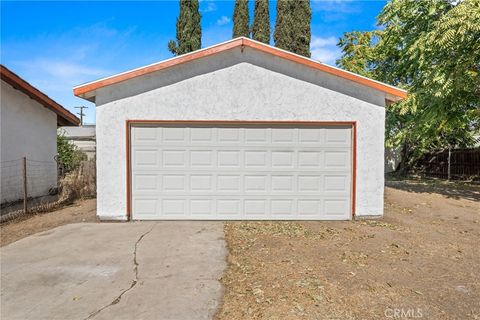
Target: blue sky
{"x":57,"y":45}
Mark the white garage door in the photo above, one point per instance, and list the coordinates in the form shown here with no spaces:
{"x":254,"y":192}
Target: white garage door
{"x":237,"y":172}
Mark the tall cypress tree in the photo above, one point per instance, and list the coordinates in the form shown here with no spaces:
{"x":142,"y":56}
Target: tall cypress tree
{"x":302,"y":31}
{"x":292,"y":27}
{"x":189,"y":31}
{"x":261,"y":22}
{"x":241,"y":19}
{"x":283,"y":25}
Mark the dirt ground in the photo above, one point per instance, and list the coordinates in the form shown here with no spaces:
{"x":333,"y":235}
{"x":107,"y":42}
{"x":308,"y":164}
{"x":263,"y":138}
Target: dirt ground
{"x":80,"y":211}
{"x":422,"y":260}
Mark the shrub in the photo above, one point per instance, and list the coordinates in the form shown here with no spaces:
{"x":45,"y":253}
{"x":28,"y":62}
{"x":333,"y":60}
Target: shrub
{"x":69,"y":156}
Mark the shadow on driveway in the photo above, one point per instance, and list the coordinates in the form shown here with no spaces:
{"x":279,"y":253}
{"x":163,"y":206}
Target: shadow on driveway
{"x":455,"y":190}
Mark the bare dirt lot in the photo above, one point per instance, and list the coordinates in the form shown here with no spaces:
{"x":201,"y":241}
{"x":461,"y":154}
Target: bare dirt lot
{"x":80,"y":211}
{"x":422,"y":260}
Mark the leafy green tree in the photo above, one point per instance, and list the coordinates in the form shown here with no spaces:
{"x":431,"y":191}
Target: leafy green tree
{"x":241,"y":19}
{"x":189,"y":31}
{"x":68,"y":155}
{"x":431,"y":48}
{"x":261,"y":22}
{"x":359,"y":53}
{"x":292,"y":27}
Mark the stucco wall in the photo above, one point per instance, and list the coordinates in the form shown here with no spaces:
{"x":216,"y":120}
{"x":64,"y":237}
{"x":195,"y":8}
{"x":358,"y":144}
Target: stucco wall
{"x":238,"y":86}
{"x":27,"y":130}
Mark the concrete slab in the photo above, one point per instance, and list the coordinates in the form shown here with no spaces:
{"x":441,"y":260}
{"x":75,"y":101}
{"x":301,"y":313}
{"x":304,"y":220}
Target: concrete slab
{"x":136,"y":270}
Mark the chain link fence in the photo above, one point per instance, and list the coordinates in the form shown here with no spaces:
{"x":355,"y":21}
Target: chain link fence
{"x":26,"y":181}
{"x":32,"y":186}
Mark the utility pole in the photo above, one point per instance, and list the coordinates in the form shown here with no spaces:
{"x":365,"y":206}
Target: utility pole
{"x":25,"y":193}
{"x":81,"y":114}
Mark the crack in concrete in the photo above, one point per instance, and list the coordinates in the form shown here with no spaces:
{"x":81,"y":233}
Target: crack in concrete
{"x":134,"y":281}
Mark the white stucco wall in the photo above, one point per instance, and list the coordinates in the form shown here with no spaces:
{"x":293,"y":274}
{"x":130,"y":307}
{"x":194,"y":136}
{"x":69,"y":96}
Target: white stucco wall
{"x":28,"y":129}
{"x":238,"y":86}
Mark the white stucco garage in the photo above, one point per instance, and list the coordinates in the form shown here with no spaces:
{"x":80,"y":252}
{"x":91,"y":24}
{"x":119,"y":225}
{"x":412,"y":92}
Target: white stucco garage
{"x":240,"y":130}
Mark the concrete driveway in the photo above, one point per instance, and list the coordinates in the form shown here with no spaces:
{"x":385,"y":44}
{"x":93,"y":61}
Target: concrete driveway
{"x":137,"y":270}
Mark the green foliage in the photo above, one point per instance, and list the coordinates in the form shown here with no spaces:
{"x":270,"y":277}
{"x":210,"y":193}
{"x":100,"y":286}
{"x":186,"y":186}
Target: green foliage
{"x":358,"y":52}
{"x":241,"y":19}
{"x":68,"y":154}
{"x":292,"y":27}
{"x":189,"y":31}
{"x":261,"y":22}
{"x":302,"y":31}
{"x":283,"y":35}
{"x":431,"y":48}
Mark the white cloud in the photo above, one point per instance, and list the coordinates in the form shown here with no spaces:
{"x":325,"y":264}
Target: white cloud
{"x":325,"y":49}
{"x":208,"y":6}
{"x":223,"y":20}
{"x":67,"y":69}
{"x":322,"y":42}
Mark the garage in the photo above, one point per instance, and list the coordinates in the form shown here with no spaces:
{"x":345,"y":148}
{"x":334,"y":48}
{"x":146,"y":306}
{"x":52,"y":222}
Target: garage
{"x":239,"y":131}
{"x":241,"y":171}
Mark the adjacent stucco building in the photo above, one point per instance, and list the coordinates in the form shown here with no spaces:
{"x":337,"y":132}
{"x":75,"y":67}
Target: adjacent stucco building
{"x":83,"y":137}
{"x":29,"y":121}
{"x":240,"y":130}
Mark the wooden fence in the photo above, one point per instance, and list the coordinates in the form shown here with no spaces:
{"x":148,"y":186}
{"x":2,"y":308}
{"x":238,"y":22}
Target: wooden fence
{"x":455,"y":164}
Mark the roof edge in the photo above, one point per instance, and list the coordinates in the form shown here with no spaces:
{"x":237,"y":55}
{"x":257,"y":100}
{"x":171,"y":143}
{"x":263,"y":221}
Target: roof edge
{"x":64,"y":117}
{"x":83,"y":89}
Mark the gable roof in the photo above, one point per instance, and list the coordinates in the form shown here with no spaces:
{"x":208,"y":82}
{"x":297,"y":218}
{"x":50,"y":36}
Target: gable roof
{"x":64,"y":117}
{"x":86,"y":90}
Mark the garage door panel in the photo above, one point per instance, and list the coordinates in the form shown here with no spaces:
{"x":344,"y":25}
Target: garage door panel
{"x":310,"y":136}
{"x":202,"y":183}
{"x":336,"y":183}
{"x":283,"y":135}
{"x":228,"y":159}
{"x":256,"y":183}
{"x":233,"y":172}
{"x":147,"y":134}
{"x":174,"y":158}
{"x":252,"y":207}
{"x":174,"y":135}
{"x":145,"y":207}
{"x":255,"y":159}
{"x":228,"y":135}
{"x":146,"y":182}
{"x":201,"y":135}
{"x":201,"y":158}
{"x":228,"y":183}
{"x":335,"y":207}
{"x":339,"y":160}
{"x":337,"y":137}
{"x":145,"y":157}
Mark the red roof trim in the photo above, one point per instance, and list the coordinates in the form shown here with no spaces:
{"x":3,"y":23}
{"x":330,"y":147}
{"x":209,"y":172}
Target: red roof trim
{"x":64,"y":117}
{"x":92,"y":86}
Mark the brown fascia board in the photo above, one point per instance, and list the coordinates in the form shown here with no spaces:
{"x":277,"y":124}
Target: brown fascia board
{"x":64,"y":117}
{"x":87,"y":91}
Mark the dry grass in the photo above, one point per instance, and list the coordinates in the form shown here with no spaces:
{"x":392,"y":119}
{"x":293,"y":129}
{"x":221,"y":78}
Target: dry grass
{"x":423,"y":255}
{"x":79,"y":184}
